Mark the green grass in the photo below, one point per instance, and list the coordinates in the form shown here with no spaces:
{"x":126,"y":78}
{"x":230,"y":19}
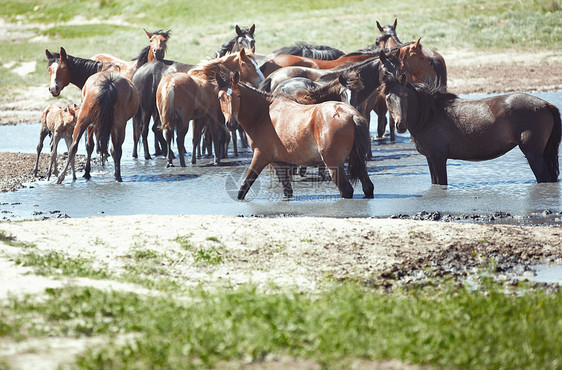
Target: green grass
{"x":56,"y":263}
{"x":199,"y":28}
{"x":449,"y":327}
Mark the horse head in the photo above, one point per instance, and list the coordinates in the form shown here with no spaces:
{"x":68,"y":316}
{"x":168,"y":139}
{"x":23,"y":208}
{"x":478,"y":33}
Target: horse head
{"x":158,"y":41}
{"x":396,"y":94}
{"x":388,"y":38}
{"x":229,"y":96}
{"x":249,"y":69}
{"x":59,"y":72}
{"x":416,"y":64}
{"x":245,"y":38}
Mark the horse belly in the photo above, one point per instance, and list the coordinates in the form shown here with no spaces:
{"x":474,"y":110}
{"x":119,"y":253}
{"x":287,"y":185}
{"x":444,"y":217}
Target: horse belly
{"x":296,"y":142}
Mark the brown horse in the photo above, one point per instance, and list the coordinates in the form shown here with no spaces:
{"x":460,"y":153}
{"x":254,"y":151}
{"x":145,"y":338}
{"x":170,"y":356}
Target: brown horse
{"x":444,"y":126}
{"x":283,"y":132}
{"x":58,"y":123}
{"x":286,"y":60}
{"x":154,"y":51}
{"x":182,"y":97}
{"x":109,"y":100}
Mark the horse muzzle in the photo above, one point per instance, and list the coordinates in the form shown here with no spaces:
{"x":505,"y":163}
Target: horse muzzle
{"x":158,"y":54}
{"x":232,"y":124}
{"x":54,"y":90}
{"x":401,"y":127}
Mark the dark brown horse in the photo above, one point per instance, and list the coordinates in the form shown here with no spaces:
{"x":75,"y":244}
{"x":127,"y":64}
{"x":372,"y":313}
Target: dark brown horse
{"x":109,"y":100}
{"x":182,"y":97}
{"x":65,"y":69}
{"x":282,"y":131}
{"x":444,"y":126}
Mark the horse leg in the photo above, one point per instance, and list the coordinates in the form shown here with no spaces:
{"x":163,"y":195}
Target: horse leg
{"x":42,"y":135}
{"x":283,"y":171}
{"x":215,"y":135}
{"x":255,"y":169}
{"x":391,"y":126}
{"x":68,"y":141}
{"x":367,"y":184}
{"x":168,"y":134}
{"x":160,"y":142}
{"x":53,"y":161}
{"x":76,"y":135}
{"x":380,"y":110}
{"x":136,"y":132}
{"x":144,"y":125}
{"x":538,"y":165}
{"x":117,"y":139}
{"x":198,"y":126}
{"x":339,"y":178}
{"x":438,"y":170}
{"x":89,"y":150}
{"x":181,"y":131}
{"x":235,"y":143}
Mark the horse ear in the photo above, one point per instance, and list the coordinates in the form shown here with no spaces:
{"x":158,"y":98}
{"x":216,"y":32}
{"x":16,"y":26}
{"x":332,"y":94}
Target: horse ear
{"x":417,"y":43}
{"x":238,"y":30}
{"x":382,"y":56}
{"x":395,"y":23}
{"x":148,"y":33}
{"x":236,"y":78}
{"x":403,"y":79}
{"x":252,"y":29}
{"x":63,"y":56}
{"x":48,"y":54}
{"x":342,"y":80}
{"x":243,"y":53}
{"x":220,"y":81}
{"x":379,"y":27}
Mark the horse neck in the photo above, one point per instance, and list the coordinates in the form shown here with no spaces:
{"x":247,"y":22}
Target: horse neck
{"x":81,"y":69}
{"x":417,"y":110}
{"x":252,"y":105}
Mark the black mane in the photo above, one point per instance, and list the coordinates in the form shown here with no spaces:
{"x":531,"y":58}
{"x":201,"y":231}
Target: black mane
{"x":81,"y":68}
{"x":434,"y":98}
{"x":228,"y":46}
{"x":302,"y":49}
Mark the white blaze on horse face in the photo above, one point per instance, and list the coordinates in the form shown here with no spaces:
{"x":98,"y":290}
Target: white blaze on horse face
{"x":261,"y":77}
{"x":53,"y":85}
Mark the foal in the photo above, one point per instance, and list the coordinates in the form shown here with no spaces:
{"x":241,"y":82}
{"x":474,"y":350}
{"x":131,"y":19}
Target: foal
{"x":58,"y":123}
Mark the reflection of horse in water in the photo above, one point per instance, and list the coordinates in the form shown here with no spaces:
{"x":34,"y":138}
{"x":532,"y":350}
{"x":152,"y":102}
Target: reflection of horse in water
{"x":444,"y":126}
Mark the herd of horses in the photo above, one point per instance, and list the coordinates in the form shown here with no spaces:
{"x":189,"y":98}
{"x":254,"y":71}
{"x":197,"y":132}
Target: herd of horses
{"x":304,"y":105}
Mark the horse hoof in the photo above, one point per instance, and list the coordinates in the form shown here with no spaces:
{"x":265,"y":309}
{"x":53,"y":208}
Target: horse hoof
{"x":147,"y":157}
{"x":169,"y":165}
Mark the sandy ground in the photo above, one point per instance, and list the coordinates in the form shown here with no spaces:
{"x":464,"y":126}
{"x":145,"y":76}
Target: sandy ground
{"x":301,"y":252}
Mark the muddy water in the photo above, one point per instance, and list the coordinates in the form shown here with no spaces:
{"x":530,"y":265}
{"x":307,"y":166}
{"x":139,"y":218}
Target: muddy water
{"x":399,"y":173}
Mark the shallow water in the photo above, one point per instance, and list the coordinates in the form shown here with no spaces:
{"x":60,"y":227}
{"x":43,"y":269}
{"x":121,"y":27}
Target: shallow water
{"x":399,"y":173}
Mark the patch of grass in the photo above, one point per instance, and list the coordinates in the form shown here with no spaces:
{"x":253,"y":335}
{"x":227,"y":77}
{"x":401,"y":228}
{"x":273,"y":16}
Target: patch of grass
{"x":184,"y":243}
{"x":208,"y":256}
{"x":83,"y":31}
{"x":11,"y":241}
{"x":144,"y":254}
{"x":448,"y":327}
{"x":56,"y":263}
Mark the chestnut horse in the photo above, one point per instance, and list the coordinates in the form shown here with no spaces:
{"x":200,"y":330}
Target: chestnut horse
{"x":58,"y":123}
{"x":155,"y":51}
{"x":109,"y":100}
{"x":283,"y":132}
{"x":444,"y":126}
{"x":286,"y":60}
{"x":182,"y":97}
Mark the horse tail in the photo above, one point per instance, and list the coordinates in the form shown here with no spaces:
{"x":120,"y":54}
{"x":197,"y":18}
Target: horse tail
{"x":552,"y":145}
{"x":105,"y":105}
{"x":361,"y":145}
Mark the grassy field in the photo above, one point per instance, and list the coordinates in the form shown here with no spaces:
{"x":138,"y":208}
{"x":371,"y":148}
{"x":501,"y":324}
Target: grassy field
{"x":88,"y":27}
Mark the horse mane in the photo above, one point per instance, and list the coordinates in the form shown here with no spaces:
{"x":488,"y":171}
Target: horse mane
{"x":207,"y":69}
{"x":434,"y":98}
{"x":318,"y":94}
{"x":85,"y":67}
{"x":322,"y":52}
